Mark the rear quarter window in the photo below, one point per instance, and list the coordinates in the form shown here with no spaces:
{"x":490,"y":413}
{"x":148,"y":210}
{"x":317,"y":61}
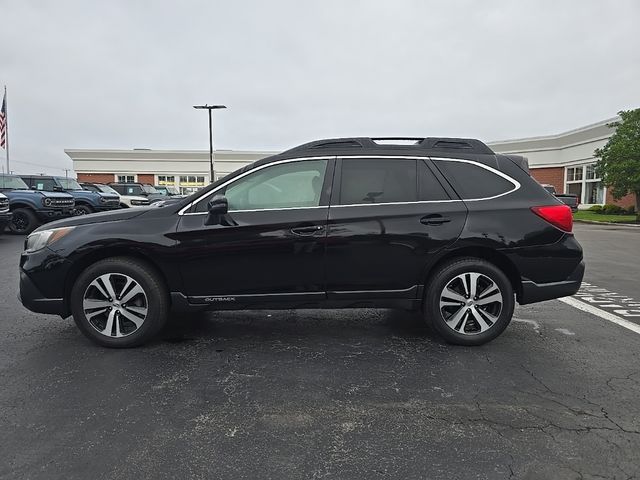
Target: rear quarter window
{"x":471,"y":181}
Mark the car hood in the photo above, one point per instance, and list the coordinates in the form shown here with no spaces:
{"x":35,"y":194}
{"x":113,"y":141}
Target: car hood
{"x":88,"y":194}
{"x":111,"y":216}
{"x":61,"y":195}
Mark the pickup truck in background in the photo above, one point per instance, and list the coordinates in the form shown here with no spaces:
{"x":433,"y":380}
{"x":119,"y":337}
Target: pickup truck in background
{"x":566,"y":198}
{"x":31,"y":208}
{"x":85,"y":201}
{"x":5,"y":213}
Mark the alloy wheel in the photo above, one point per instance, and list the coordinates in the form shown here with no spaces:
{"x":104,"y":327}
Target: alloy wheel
{"x":471,"y":303}
{"x":115,"y":305}
{"x":20,"y":222}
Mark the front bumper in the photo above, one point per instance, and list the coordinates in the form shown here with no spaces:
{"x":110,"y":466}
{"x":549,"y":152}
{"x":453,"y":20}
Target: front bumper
{"x":48,"y":215}
{"x":5,"y":218}
{"x":35,"y":301}
{"x":533,"y":292}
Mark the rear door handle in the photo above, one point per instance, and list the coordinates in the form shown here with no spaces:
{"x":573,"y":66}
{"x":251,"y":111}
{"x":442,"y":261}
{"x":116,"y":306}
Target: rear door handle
{"x":307,"y":231}
{"x":435,"y":219}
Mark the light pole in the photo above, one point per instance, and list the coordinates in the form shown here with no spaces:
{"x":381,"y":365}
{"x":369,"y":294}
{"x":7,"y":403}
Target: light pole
{"x":210,"y":107}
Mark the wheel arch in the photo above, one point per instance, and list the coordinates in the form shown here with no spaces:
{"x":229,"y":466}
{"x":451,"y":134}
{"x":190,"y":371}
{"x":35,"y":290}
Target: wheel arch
{"x":80,"y":264}
{"x":495,"y":257}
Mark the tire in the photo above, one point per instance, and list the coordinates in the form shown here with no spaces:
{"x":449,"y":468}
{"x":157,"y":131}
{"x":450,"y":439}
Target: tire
{"x":23,"y":221}
{"x":148,"y":307}
{"x":82,"y":210}
{"x":468,"y":321}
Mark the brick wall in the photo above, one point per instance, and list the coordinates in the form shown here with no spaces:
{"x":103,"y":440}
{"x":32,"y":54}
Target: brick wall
{"x":96,"y":177}
{"x":146,"y":178}
{"x":626,"y":201}
{"x":552,"y":176}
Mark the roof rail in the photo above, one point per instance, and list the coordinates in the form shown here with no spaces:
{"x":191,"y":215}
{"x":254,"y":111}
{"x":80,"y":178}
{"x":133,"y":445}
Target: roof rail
{"x":466,"y":145}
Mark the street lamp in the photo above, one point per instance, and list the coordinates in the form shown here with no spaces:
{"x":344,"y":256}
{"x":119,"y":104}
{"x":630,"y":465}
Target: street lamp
{"x":210,"y":107}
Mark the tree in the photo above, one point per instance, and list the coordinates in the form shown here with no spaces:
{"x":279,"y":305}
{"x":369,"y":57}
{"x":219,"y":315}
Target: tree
{"x":619,"y":160}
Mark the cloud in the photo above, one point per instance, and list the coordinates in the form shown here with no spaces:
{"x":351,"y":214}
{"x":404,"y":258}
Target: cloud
{"x":124,"y":74}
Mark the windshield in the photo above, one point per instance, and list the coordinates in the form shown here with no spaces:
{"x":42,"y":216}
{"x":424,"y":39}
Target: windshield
{"x":149,"y":189}
{"x":106,"y":189}
{"x":69,"y":184}
{"x":172,"y":190}
{"x":13,"y":183}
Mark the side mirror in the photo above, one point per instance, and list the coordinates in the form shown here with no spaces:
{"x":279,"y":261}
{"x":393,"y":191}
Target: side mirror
{"x":57,"y":188}
{"x":218,"y":206}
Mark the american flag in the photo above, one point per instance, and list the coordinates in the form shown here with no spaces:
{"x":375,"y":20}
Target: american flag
{"x":3,"y":122}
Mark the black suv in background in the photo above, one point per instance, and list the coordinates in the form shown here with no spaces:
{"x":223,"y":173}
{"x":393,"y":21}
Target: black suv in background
{"x":444,"y":226}
{"x":138,"y":189}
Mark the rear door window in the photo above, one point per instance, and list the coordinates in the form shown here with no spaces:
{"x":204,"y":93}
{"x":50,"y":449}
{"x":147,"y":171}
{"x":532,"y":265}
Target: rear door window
{"x":372,"y":180}
{"x":473,"y":182}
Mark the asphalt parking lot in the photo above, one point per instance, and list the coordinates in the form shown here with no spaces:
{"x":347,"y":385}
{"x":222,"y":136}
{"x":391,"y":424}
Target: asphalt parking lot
{"x":342,"y":394}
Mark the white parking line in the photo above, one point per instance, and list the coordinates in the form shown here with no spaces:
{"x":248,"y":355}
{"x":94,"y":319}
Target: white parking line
{"x":585,"y":307}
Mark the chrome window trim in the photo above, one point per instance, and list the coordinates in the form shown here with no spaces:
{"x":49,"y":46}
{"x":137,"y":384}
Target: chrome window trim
{"x":260,"y":167}
{"x":515,"y":183}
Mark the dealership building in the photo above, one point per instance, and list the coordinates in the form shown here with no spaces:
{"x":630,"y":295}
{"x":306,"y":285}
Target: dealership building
{"x":564,"y":160}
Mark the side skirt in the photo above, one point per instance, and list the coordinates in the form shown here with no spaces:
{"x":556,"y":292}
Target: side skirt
{"x":409,"y":299}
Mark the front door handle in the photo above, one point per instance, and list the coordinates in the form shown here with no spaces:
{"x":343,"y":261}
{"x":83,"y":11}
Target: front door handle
{"x":435,"y":219}
{"x":307,"y":231}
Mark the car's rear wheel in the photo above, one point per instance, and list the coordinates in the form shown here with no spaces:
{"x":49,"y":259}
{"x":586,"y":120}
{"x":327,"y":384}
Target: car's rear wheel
{"x":469,"y":301}
{"x":119,"y":302}
{"x":23,"y":221}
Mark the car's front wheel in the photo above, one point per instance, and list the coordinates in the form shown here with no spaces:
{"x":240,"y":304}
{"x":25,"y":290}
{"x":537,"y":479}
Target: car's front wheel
{"x":469,"y":301}
{"x":23,"y":221}
{"x":82,"y":210}
{"x":119,"y":302}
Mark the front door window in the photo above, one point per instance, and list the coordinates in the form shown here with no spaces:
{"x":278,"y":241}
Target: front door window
{"x":286,"y":185}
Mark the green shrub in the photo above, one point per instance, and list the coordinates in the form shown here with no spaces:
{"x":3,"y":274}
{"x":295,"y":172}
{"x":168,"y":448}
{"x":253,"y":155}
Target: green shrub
{"x":596,"y":209}
{"x":631,"y":210}
{"x":612,"y":210}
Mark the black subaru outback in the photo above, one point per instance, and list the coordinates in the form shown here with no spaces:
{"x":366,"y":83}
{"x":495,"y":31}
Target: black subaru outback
{"x":439,"y":225}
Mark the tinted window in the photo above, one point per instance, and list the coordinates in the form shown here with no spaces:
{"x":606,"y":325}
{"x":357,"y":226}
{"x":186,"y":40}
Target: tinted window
{"x":429,"y":188}
{"x":472,"y":181}
{"x":287,"y":185}
{"x":378,"y":181}
{"x":133,"y":190}
{"x":45,"y":184}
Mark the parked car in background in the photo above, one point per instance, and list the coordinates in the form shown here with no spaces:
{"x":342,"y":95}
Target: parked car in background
{"x":169,"y":191}
{"x":126,"y":201}
{"x":31,"y":208}
{"x":566,"y":198}
{"x":85,"y":201}
{"x":5,"y":213}
{"x":445,"y":227}
{"x":138,"y":190}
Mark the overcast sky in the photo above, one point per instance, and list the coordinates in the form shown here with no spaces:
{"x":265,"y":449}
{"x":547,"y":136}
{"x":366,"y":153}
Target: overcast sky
{"x":125,"y":73}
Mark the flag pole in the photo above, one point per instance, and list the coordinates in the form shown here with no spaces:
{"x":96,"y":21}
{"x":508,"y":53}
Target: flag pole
{"x":6,"y":128}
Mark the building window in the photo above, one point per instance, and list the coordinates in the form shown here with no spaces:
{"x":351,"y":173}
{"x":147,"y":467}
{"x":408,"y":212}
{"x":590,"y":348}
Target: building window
{"x":125,"y":178}
{"x":583,"y":182}
{"x":166,"y":180}
{"x":190,"y":183}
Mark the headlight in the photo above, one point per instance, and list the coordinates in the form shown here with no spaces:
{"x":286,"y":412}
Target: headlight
{"x":103,"y":200}
{"x":38,"y":240}
{"x":46,"y":202}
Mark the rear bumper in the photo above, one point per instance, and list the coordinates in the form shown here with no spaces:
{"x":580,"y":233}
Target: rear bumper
{"x":533,"y":292}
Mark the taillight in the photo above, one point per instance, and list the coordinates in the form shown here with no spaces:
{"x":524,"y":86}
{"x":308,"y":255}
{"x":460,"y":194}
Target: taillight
{"x":557,"y":215}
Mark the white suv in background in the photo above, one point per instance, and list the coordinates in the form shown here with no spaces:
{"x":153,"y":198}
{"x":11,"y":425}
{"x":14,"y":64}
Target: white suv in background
{"x":126,"y":201}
